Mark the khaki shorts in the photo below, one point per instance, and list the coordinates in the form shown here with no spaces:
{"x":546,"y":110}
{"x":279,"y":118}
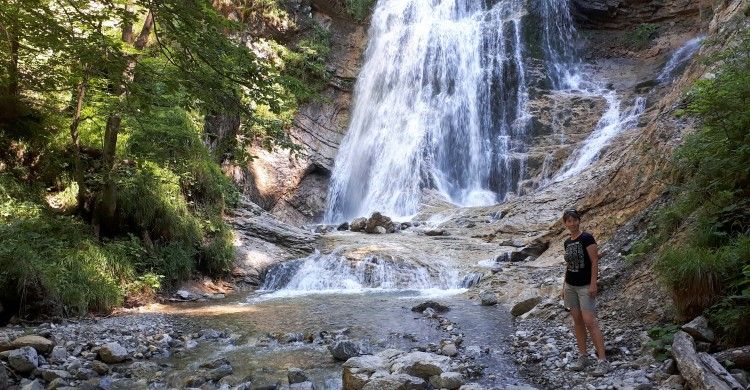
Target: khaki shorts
{"x":577,"y":297}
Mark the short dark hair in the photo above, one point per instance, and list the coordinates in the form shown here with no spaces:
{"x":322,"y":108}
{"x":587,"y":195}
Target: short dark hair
{"x":571,"y":213}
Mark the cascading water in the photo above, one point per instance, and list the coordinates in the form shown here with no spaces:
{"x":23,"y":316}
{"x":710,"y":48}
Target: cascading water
{"x":440,"y":102}
{"x":335,"y":273}
{"x":679,"y":59}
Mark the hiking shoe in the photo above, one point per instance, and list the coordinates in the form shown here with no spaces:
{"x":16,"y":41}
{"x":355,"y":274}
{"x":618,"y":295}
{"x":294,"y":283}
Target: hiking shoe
{"x":580,"y":364}
{"x":601,"y":369}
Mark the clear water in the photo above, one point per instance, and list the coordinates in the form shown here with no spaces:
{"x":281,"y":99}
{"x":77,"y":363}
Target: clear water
{"x":679,"y":59}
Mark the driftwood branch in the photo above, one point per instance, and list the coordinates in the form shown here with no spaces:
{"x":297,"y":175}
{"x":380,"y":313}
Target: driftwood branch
{"x":700,"y":370}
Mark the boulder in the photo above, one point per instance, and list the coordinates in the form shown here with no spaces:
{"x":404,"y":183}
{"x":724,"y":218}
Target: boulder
{"x":306,"y":385}
{"x":23,"y":360}
{"x":449,"y":349}
{"x":379,"y":220}
{"x":395,"y":382}
{"x":345,"y":349}
{"x":435,"y":232}
{"x":698,"y":328}
{"x":296,"y":375}
{"x":113,"y":353}
{"x":447,"y":380}
{"x":358,"y":224}
{"x":39,"y":343}
{"x":488,"y":298}
{"x":738,"y":357}
{"x":421,"y":364}
{"x":438,"y":307}
{"x":344,"y":226}
{"x":524,"y":306}
{"x":220,"y":372}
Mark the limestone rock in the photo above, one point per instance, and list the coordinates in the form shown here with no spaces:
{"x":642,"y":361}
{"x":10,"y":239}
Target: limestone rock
{"x":488,"y":298}
{"x":448,"y":380}
{"x":39,"y":343}
{"x":23,"y":360}
{"x":112,"y":353}
{"x":698,"y":328}
{"x":36,"y":384}
{"x":421,"y":364}
{"x":524,"y":306}
{"x":395,"y":382}
{"x":358,"y":224}
{"x":379,"y":220}
{"x":58,"y":355}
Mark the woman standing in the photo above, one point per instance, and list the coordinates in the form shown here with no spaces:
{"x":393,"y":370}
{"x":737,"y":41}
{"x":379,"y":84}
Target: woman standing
{"x":579,"y":291}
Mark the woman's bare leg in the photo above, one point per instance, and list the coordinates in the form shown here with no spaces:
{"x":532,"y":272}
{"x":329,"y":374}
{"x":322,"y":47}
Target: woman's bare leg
{"x":589,"y":318}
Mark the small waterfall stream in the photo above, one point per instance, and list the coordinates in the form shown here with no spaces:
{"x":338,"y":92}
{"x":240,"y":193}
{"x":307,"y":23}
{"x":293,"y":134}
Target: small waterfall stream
{"x":679,"y":59}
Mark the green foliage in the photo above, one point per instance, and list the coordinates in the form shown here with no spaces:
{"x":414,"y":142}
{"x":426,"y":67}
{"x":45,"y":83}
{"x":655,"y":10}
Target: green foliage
{"x":642,"y":35}
{"x":661,"y":340}
{"x":712,"y":203}
{"x":359,"y":9}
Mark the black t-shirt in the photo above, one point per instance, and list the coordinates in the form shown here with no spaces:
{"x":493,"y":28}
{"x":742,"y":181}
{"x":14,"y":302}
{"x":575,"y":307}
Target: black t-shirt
{"x":578,"y":272}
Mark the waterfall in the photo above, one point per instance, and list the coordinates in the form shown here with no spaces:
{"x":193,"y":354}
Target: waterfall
{"x":335,"y":273}
{"x":440,"y":102}
{"x":679,"y":59}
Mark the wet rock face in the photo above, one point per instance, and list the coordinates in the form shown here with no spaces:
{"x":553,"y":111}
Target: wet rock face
{"x":614,"y":14}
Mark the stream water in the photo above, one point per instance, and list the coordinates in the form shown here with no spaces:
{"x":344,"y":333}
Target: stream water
{"x":378,"y":319}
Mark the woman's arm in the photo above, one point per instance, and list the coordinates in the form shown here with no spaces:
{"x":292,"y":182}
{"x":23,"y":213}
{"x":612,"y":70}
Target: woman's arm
{"x":593,"y":252}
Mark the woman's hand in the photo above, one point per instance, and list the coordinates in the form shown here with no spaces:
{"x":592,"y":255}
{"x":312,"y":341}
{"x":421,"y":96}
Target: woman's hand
{"x":592,"y":290}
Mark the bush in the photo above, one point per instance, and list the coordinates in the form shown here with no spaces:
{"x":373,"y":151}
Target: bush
{"x":359,"y":9}
{"x":661,"y":340}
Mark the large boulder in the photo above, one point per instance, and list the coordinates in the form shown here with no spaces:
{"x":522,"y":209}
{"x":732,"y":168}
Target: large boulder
{"x":395,"y":382}
{"x":421,"y":364}
{"x":447,"y":380}
{"x":379,"y":220}
{"x":112,"y":353}
{"x":39,"y":343}
{"x":698,"y":328}
{"x":700,"y":370}
{"x":358,"y":224}
{"x":23,"y":360}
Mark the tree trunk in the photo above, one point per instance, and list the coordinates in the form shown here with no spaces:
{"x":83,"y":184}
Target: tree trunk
{"x":700,"y":370}
{"x":740,"y":357}
{"x":76,"y":143}
{"x":105,"y":218}
{"x":127,"y":25}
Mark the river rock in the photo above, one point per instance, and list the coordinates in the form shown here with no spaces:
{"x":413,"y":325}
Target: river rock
{"x":220,"y":372}
{"x":438,"y":307}
{"x":343,"y":227}
{"x":421,"y":364}
{"x":58,"y":355}
{"x":23,"y":360}
{"x":449,"y":349}
{"x":113,"y":353}
{"x":698,"y":328}
{"x":488,"y":298}
{"x":358,"y":224}
{"x":50,"y":375}
{"x":524,"y":306}
{"x":39,"y":343}
{"x":447,"y":380}
{"x":395,"y":382}
{"x":3,"y":377}
{"x":102,"y":368}
{"x":307,"y":385}
{"x":435,"y":232}
{"x":345,"y":349}
{"x":296,"y":375}
{"x":36,"y":384}
{"x":379,"y":220}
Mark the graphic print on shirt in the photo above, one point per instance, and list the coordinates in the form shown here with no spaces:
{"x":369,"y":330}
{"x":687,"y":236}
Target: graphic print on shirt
{"x":574,"y":256}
